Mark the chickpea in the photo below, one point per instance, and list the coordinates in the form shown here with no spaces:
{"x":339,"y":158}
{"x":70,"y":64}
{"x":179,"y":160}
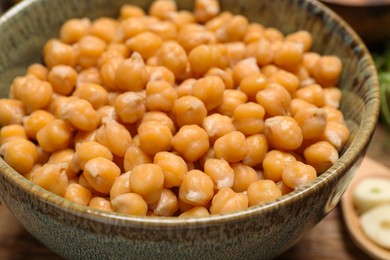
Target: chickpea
{"x":209,"y":90}
{"x":302,"y":37}
{"x":284,"y":188}
{"x":173,"y":166}
{"x":130,"y":204}
{"x":254,"y":33}
{"x":145,"y":43}
{"x":312,"y":122}
{"x":80,"y":114}
{"x":59,"y":53}
{"x":233,"y":30}
{"x":332,"y":96}
{"x":94,"y":93}
{"x":89,"y":75}
{"x":171,"y":49}
{"x":232,"y":98}
{"x":74,"y":29}
{"x":297,"y":174}
{"x":166,"y":205}
{"x":217,"y":125}
{"x":252,"y":84}
{"x":154,"y":137}
{"x":108,"y":73}
{"x":321,"y":155}
{"x":274,"y":163}
{"x":87,"y":151}
{"x":283,"y":133}
{"x":51,"y":177}
{"x":195,"y":212}
{"x":164,"y":29}
{"x":261,"y":51}
{"x":244,"y":176}
{"x":192,"y":142}
{"x":298,"y":104}
{"x":10,"y":132}
{"x":226,"y":200}
{"x":205,"y":10}
{"x":128,"y":11}
{"x":130,"y":106}
{"x":38,"y":70}
{"x":289,"y":55}
{"x":114,"y":136}
{"x":220,"y":173}
{"x":185,"y":87}
{"x":135,"y":156}
{"x":197,"y":188}
{"x":273,"y":35}
{"x":275,"y":99}
{"x":226,"y":75}
{"x":100,"y":173}
{"x":192,"y":35}
{"x":105,"y":28}
{"x":84,"y":136}
{"x":64,"y":156}
{"x":333,"y":114}
{"x":161,"y":8}
{"x":77,"y":193}
{"x":202,"y":58}
{"x":131,"y":74}
{"x":20,"y":154}
{"x":181,"y":18}
{"x":101,"y":204}
{"x":55,"y":136}
{"x":161,"y":117}
{"x":90,"y":49}
{"x":263,"y":191}
{"x":269,"y":69}
{"x":327,"y":70}
{"x":231,"y":147}
{"x":63,"y":79}
{"x":336,"y":134}
{"x":244,"y":68}
{"x":159,"y":73}
{"x":257,"y":148}
{"x":235,"y":52}
{"x":313,"y":94}
{"x":216,"y":23}
{"x":189,"y":110}
{"x":286,"y":79}
{"x":35,"y":94}
{"x":160,"y":95}
{"x":309,"y":61}
{"x":121,"y":185}
{"x":248,"y":118}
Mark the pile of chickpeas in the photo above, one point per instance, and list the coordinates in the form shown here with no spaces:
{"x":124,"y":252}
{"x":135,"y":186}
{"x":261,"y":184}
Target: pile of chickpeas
{"x":174,"y":113}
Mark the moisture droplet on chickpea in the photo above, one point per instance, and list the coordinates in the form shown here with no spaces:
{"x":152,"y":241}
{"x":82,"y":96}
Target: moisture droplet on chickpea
{"x":174,"y":113}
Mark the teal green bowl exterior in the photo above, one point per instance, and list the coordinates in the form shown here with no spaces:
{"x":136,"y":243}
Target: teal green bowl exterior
{"x":261,"y":232}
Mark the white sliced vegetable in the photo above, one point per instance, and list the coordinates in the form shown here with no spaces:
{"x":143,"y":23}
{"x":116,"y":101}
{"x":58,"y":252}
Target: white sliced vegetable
{"x":371,"y":192}
{"x":376,"y":225}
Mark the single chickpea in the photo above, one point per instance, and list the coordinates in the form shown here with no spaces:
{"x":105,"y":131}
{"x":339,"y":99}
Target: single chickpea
{"x":74,"y":29}
{"x":332,"y":96}
{"x":220,"y":173}
{"x":147,"y":180}
{"x":101,"y":204}
{"x":59,"y":53}
{"x":106,"y":28}
{"x":252,"y":84}
{"x":232,"y":98}
{"x":274,"y":162}
{"x":77,"y":193}
{"x":160,"y":95}
{"x":283,"y":133}
{"x":248,"y":118}
{"x":108,"y":73}
{"x":336,"y":134}
{"x":263,"y":191}
{"x":20,"y":154}
{"x":100,"y":173}
{"x":275,"y":100}
{"x":205,"y":10}
{"x":189,"y":110}
{"x":327,"y":70}
{"x":195,"y":212}
{"x":254,"y":33}
{"x":35,"y":94}
{"x":89,"y":75}
{"x":166,"y":205}
{"x":310,"y":60}
{"x":312,"y":122}
{"x":159,"y":73}
{"x":302,"y":37}
{"x":257,"y":148}
{"x":161,"y":8}
{"x":130,"y":204}
{"x":35,"y":121}
{"x":334,"y":115}
{"x":51,"y":177}
{"x":130,"y":106}
{"x":289,"y":55}
{"x":164,"y":29}
{"x":269,"y":69}
{"x":154,"y":137}
{"x":286,"y":79}
{"x":132,"y":26}
{"x":129,"y":10}
{"x":210,"y":90}
{"x":174,"y":168}
{"x":145,"y":43}
{"x":90,"y":49}
{"x":185,"y":87}
{"x":321,"y":155}
{"x":80,"y":114}
{"x":233,"y":30}
{"x":38,"y":70}
{"x":261,"y":50}
{"x":313,"y":94}
{"x":217,"y":125}
{"x":226,"y":75}
{"x":298,"y":104}
{"x":55,"y":136}
{"x":131,"y":74}
{"x":64,"y":156}
{"x":94,"y":93}
{"x":273,"y":35}
{"x":161,"y":117}
{"x":114,"y":136}
{"x":119,"y":47}
{"x":135,"y":156}
{"x":244,"y":68}
{"x":226,"y":200}
{"x":244,"y":176}
{"x":192,"y":35}
{"x":197,"y":188}
{"x":235,"y":52}
{"x":231,"y":147}
{"x":10,"y":132}
{"x":121,"y":185}
{"x":87,"y":151}
{"x":218,"y":21}
{"x":202,"y":58}
{"x":181,"y":18}
{"x":297,"y":174}
{"x":63,"y":79}
{"x":171,"y":49}
{"x":192,"y":142}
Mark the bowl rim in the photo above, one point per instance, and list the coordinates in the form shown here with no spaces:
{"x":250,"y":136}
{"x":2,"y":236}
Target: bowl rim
{"x":345,"y":162}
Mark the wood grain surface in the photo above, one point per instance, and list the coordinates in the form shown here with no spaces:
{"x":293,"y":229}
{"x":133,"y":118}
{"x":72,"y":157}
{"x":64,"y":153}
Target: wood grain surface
{"x":328,"y":240}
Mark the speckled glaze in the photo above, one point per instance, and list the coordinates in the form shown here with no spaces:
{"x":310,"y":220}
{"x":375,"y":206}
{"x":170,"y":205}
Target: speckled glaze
{"x":262,"y":232}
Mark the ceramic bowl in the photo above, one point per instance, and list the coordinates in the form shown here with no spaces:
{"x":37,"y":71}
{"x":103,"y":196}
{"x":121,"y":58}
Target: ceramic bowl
{"x":260,"y":232}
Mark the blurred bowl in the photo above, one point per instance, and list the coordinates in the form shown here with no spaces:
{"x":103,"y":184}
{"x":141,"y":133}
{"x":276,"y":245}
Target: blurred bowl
{"x":260,"y":232}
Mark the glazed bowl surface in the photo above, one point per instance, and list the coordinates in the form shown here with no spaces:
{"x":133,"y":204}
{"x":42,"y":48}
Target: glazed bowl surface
{"x":261,"y":232}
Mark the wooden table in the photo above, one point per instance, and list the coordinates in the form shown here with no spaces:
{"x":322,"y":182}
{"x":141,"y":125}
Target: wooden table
{"x":328,"y":240}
